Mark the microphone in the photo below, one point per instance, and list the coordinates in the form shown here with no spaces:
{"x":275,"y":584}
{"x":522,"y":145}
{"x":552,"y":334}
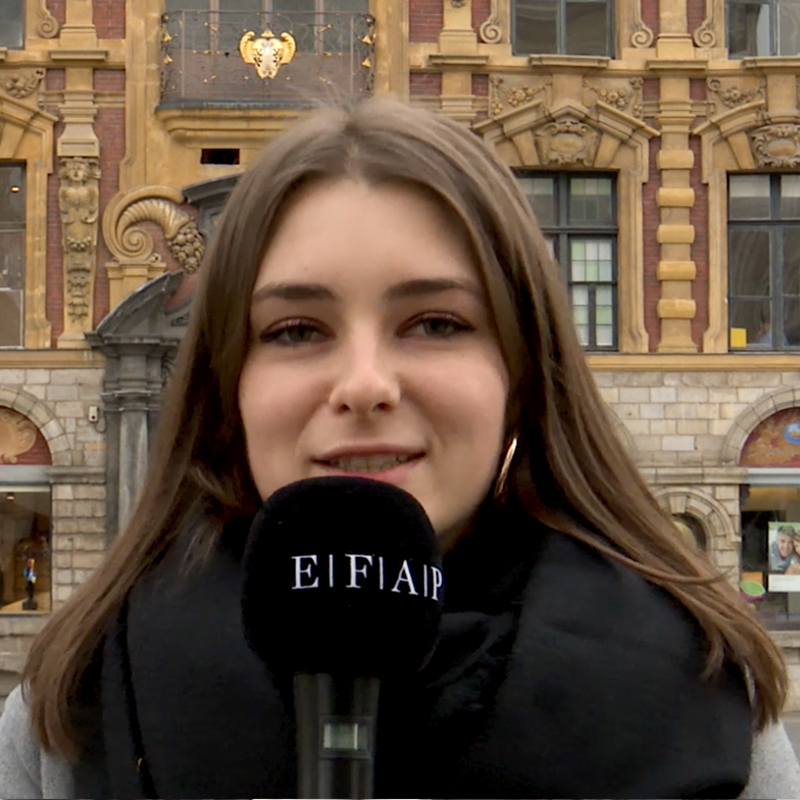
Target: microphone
{"x":342,"y":587}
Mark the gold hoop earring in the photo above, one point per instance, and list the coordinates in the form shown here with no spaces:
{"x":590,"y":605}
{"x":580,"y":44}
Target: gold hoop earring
{"x":500,"y":483}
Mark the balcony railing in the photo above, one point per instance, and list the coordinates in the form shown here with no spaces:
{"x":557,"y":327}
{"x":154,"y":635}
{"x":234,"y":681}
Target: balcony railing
{"x":333,"y":59}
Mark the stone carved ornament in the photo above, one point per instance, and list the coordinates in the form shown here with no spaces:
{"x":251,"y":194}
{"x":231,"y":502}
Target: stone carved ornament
{"x":567,"y":141}
{"x":184,"y":240}
{"x":17,"y":435}
{"x":643,"y":36}
{"x":777,"y":146}
{"x":704,"y":35}
{"x":620,"y":97}
{"x":490,"y":30}
{"x":731,"y":95}
{"x":47,"y":26}
{"x":22,"y":85}
{"x":503,"y":95}
{"x":158,"y":204}
{"x":78,"y":202}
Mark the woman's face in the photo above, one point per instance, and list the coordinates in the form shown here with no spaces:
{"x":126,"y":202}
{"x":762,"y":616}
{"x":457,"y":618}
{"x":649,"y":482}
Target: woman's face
{"x":373,"y":352}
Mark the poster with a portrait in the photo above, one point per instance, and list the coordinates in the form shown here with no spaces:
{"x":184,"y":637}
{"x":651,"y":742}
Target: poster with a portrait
{"x":784,"y":556}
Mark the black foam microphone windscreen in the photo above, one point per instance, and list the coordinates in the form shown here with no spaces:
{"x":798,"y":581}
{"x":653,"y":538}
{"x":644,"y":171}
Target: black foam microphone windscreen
{"x":342,"y":576}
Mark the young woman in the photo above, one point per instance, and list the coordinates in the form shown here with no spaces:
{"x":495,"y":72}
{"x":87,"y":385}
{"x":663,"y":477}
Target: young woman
{"x":379,"y":301}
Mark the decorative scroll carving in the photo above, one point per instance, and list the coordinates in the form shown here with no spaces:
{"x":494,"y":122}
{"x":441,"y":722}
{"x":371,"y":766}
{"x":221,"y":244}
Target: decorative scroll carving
{"x":47,"y":26}
{"x":777,"y":146}
{"x":567,"y":141}
{"x":704,"y":35}
{"x":22,"y":85}
{"x":184,"y":240}
{"x":621,"y":97}
{"x":78,"y":201}
{"x":17,"y":435}
{"x":642,"y":36}
{"x":503,"y":95}
{"x":490,"y":30}
{"x":731,"y":95}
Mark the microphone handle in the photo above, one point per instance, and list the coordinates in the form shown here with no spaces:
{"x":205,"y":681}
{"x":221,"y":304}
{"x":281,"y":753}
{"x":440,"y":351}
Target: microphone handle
{"x":336,"y":726}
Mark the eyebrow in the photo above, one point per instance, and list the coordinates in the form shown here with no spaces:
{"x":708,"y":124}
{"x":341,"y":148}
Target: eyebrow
{"x":418,"y":287}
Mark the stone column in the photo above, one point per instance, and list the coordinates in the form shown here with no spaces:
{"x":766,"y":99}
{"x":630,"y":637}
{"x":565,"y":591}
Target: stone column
{"x":675,"y":62}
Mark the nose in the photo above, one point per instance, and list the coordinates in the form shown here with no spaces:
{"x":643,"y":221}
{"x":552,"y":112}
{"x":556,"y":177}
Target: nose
{"x":366,"y":380}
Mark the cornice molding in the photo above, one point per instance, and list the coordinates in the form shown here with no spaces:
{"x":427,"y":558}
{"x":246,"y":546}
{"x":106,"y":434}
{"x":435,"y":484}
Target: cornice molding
{"x":695,"y":362}
{"x":51,"y":359}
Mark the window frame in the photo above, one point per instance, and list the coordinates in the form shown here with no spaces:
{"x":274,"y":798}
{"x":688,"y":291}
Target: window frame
{"x":775,"y":226}
{"x":20,"y":8}
{"x":774,"y":37}
{"x":562,"y":232}
{"x":561,"y":31}
{"x":18,"y":227}
{"x":29,"y":481}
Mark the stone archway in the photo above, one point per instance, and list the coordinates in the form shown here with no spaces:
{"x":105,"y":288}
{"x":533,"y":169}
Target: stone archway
{"x":767,"y":405}
{"x":39,"y":414}
{"x":710,"y":513}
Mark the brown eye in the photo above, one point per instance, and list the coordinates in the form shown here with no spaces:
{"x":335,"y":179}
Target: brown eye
{"x":292,"y":333}
{"x":439,"y":326}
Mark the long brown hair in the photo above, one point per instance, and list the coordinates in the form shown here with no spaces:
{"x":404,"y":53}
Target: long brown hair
{"x":569,"y":470}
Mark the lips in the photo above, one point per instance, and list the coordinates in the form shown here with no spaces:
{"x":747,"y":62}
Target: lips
{"x":376,"y":463}
{"x":369,"y":459}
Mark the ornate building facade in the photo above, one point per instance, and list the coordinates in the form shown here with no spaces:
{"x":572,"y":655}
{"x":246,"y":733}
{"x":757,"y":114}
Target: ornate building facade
{"x":658,"y":142}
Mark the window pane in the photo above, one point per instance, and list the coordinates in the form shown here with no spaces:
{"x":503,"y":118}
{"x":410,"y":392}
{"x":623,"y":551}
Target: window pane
{"x":12,"y":193}
{"x":11,"y":17}
{"x":748,"y":263}
{"x":542,"y":197}
{"x":590,"y":260}
{"x":247,"y":6}
{"x":587,"y":23}
{"x":300,"y":25}
{"x":788,"y":28}
{"x":749,"y":30}
{"x":791,"y":322}
{"x":791,"y":260}
{"x":12,"y":259}
{"x":10,"y":318}
{"x":535,"y":26}
{"x":24,"y":550}
{"x":170,"y":6}
{"x":748,"y":197}
{"x":754,"y":317}
{"x":790,"y":196}
{"x":590,"y":200}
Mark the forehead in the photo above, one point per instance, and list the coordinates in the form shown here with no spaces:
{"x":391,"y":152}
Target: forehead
{"x":333,"y":230}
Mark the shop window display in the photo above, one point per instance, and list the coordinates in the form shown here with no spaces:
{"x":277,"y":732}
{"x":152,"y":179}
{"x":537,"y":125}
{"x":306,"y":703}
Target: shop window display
{"x":24,"y":549}
{"x":770,"y":519}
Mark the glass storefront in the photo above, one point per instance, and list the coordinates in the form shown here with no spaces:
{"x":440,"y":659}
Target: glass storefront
{"x":24,"y":548}
{"x":771,"y":552}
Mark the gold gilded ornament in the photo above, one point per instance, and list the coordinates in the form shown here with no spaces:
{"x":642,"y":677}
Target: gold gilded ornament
{"x":267,"y":52}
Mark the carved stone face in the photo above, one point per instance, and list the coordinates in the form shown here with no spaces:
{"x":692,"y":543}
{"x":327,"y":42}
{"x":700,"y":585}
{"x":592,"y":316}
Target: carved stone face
{"x":77,"y":171}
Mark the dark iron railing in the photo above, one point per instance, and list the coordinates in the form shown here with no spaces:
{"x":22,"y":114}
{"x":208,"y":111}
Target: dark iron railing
{"x":201,"y":63}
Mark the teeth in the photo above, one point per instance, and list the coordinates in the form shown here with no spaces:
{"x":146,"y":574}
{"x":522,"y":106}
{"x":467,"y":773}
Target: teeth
{"x":369,"y":463}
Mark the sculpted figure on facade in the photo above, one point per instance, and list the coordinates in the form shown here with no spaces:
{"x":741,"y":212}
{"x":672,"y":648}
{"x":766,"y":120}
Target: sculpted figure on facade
{"x":17,"y":435}
{"x":78,"y":202}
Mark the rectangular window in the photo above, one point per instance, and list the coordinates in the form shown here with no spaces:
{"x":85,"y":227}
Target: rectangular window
{"x":24,"y":548}
{"x":11,"y":31}
{"x":577,"y":214}
{"x":763,"y":28}
{"x":573,"y":27}
{"x":12,"y":252}
{"x":764,"y":261}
